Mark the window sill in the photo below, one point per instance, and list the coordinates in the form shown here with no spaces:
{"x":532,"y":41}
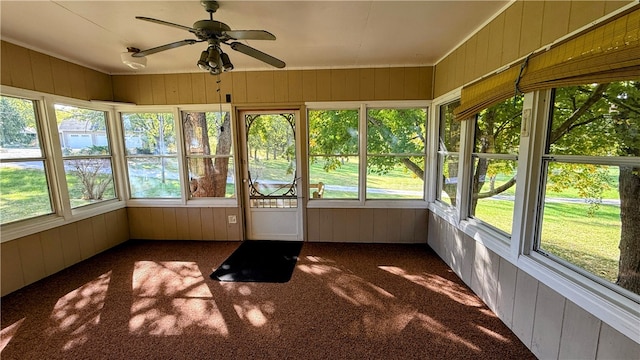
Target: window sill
{"x":196,"y":203}
{"x":492,"y":239}
{"x":368,"y":204}
{"x":43,"y":223}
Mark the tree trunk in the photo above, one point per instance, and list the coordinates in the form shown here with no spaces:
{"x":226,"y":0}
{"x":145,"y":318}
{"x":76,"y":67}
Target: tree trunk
{"x":629,"y":266}
{"x":213,"y":181}
{"x":452,"y":188}
{"x":222,"y":163}
{"x":479,"y":177}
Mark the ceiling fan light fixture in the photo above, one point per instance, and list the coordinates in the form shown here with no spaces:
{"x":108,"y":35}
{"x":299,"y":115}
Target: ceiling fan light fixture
{"x":202,"y":63}
{"x":226,"y":62}
{"x":135,"y":63}
{"x":214,"y":58}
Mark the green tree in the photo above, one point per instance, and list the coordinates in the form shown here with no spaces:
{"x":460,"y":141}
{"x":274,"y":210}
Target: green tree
{"x":16,"y":118}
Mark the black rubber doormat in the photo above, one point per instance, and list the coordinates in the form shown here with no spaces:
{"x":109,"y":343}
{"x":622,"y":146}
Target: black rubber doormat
{"x":260,"y":261}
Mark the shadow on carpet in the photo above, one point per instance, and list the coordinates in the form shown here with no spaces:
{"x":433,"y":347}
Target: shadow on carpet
{"x":260,"y":261}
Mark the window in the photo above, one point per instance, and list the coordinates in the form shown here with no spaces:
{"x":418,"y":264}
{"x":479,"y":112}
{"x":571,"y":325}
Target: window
{"x":209,"y":154}
{"x":24,"y":186}
{"x":152,"y":161}
{"x":589,"y":217}
{"x":334,"y":154}
{"x":396,"y":140}
{"x":448,"y":154}
{"x":86,"y":154}
{"x":494,"y":162}
{"x":387,"y":164}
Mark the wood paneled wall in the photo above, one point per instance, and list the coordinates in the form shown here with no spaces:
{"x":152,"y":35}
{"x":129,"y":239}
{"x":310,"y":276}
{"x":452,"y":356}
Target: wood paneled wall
{"x":31,"y":70}
{"x":169,"y":223}
{"x":278,"y":86}
{"x":34,"y":257}
{"x":549,"y":324}
{"x":383,"y":225}
{"x":521,"y":29}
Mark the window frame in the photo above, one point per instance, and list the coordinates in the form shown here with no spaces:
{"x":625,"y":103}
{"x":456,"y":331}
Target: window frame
{"x":183,"y":200}
{"x":177,"y":155}
{"x":50,"y":143}
{"x":109,"y":132}
{"x":207,"y":201}
{"x":611,"y":292}
{"x":363,"y":106}
{"x":487,"y":227}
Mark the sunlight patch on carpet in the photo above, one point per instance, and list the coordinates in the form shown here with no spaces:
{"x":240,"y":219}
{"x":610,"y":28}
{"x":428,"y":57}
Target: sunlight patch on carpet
{"x":9,"y":332}
{"x":78,"y":312}
{"x":169,"y":278}
{"x":172,"y":317}
{"x":171,"y":298}
{"x":437,"y":284}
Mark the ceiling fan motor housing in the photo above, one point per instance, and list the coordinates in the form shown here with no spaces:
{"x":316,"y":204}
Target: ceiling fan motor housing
{"x":209,"y":29}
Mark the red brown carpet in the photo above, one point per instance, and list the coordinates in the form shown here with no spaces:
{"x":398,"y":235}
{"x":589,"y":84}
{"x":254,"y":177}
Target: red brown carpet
{"x":155,"y":300}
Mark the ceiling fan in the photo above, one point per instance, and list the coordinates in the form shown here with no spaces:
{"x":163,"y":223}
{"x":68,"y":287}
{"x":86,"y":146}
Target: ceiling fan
{"x":213,"y":59}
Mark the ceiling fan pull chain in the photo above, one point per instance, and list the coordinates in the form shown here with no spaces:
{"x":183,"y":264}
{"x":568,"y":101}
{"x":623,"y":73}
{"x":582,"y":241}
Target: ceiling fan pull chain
{"x":219,"y":100}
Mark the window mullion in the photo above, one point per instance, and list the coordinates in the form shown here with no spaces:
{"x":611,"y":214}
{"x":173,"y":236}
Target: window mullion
{"x":181,"y":153}
{"x":362,"y":143}
{"x":529,"y":160}
{"x":465,"y":169}
{"x":60,"y":191}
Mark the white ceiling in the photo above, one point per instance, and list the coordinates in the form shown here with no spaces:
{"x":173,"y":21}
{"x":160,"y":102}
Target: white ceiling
{"x":310,"y":34}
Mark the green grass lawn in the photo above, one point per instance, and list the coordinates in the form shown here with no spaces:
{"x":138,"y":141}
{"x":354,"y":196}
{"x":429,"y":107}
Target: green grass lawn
{"x":23,"y":194}
{"x":568,"y":232}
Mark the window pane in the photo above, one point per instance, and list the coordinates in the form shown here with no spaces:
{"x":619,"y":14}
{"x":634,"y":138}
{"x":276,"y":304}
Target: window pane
{"x":89,"y":180}
{"x":83,"y":139}
{"x":149,"y":133}
{"x":207,"y":133}
{"x":449,"y":128}
{"x":333,"y":132}
{"x":497,"y":129}
{"x":591,"y":212}
{"x":585,"y":231}
{"x":448,"y":179}
{"x":449,"y":142}
{"x":82,"y":131}
{"x":493,"y":178}
{"x":154,"y":177}
{"x":18,"y":129}
{"x":396,"y":131}
{"x":208,"y":145}
{"x":493,"y":189}
{"x":608,"y":110}
{"x":212,"y":177}
{"x":339,"y":175}
{"x":24,"y":191}
{"x":397,"y":181}
{"x":391,"y":132}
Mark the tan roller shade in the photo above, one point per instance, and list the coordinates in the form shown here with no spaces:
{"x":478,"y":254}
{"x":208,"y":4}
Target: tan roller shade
{"x":608,"y":52}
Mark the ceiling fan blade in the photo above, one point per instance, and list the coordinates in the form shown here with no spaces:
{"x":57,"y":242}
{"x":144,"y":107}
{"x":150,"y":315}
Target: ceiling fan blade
{"x":172,"y":45}
{"x":248,"y":50}
{"x":162,"y":22}
{"x":250,"y":35}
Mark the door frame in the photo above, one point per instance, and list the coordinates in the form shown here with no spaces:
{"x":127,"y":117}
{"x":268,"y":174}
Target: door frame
{"x":242,"y":164}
